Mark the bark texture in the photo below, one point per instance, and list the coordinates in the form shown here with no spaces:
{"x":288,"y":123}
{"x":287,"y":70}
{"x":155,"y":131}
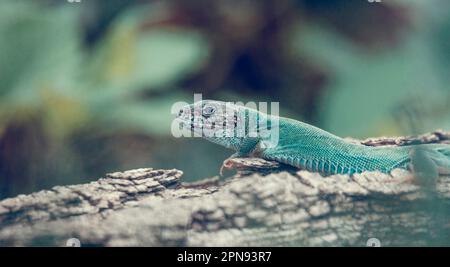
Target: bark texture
{"x":264,"y":204}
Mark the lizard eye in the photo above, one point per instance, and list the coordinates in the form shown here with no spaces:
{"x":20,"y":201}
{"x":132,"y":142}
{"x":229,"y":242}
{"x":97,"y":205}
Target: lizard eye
{"x":208,"y":110}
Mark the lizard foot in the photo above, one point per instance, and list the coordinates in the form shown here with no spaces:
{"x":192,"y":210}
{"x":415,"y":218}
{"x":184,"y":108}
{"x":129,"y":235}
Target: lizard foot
{"x":227,"y":164}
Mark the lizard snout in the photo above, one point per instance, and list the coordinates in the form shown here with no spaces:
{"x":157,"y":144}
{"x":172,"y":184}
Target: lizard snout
{"x":180,"y":113}
{"x":183,"y":113}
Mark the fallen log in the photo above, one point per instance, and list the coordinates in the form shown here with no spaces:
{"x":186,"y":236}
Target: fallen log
{"x":264,"y":204}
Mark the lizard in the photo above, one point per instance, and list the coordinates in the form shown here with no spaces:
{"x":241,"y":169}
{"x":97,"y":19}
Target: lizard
{"x":300,"y":144}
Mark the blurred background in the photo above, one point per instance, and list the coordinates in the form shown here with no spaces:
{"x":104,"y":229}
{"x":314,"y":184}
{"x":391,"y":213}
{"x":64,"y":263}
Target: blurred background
{"x":86,"y":87}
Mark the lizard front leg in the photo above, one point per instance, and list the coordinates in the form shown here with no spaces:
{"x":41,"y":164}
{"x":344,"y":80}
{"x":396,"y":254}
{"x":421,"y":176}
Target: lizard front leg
{"x":245,"y":148}
{"x":227,"y":163}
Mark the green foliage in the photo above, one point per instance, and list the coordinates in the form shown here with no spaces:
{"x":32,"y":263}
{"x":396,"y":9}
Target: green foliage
{"x":132,"y":58}
{"x":37,"y":56}
{"x":45,"y":69}
{"x":368,"y":86}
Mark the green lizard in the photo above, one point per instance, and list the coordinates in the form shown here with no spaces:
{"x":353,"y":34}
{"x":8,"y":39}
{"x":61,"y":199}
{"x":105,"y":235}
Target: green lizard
{"x":299,"y":144}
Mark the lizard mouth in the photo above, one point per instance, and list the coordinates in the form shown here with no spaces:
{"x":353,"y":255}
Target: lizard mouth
{"x":198,"y":125}
{"x":187,"y":120}
{"x":197,"y":122}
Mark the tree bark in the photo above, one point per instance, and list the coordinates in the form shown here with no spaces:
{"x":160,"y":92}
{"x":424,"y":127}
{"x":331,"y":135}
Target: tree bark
{"x":264,"y":204}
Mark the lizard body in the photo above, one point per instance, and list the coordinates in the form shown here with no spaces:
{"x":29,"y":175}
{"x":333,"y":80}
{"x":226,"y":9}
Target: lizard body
{"x":299,"y":144}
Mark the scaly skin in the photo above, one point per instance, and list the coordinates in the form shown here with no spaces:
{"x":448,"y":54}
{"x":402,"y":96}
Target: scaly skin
{"x":302,"y":145}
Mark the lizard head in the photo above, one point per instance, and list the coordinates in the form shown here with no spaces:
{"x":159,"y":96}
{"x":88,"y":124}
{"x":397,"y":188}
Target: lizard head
{"x":208,"y":116}
{"x":231,"y":125}
{"x":216,"y":121}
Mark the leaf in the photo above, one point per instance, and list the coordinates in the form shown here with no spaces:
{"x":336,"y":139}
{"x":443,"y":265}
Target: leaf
{"x":133,"y":59}
{"x":367,"y":86}
{"x":39,"y":53}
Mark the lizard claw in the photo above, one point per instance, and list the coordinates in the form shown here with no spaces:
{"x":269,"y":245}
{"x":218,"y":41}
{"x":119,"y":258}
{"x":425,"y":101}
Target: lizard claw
{"x":227,"y":164}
